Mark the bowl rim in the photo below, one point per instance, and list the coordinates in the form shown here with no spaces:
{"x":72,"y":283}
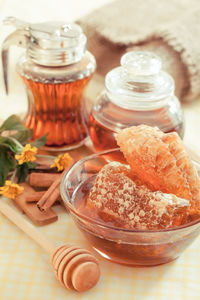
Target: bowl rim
{"x":72,"y":209}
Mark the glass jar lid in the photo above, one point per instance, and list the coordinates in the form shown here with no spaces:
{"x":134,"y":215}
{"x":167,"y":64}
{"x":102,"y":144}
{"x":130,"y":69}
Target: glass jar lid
{"x":139,"y":83}
{"x":56,"y":44}
{"x":49,"y":43}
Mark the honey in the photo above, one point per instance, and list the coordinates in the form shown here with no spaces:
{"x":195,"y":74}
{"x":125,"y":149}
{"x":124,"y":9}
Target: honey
{"x":137,"y":92}
{"x":160,"y":161}
{"x":119,"y":196}
{"x":55,"y":109}
{"x":141,"y":213}
{"x":124,"y":247}
{"x":55,"y":69}
{"x":103,"y":138}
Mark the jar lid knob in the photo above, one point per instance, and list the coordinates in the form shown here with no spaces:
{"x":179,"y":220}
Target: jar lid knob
{"x":141,"y":63}
{"x":139,"y":81}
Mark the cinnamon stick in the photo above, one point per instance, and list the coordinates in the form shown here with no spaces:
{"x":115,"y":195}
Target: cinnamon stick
{"x":51,"y":195}
{"x":43,"y":180}
{"x":30,"y":209}
{"x":34,"y":196}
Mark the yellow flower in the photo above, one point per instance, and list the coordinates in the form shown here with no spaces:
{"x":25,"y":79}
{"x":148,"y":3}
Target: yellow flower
{"x":11,"y":190}
{"x":28,"y":154}
{"x":62,"y":161}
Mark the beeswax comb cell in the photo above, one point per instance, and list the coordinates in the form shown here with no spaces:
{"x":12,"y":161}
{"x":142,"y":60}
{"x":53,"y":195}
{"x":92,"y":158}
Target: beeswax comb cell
{"x":160,"y":161}
{"x":118,"y":199}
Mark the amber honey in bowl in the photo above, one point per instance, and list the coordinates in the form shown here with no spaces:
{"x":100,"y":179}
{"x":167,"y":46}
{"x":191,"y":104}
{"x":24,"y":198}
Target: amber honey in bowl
{"x":119,"y":244}
{"x":129,"y":247}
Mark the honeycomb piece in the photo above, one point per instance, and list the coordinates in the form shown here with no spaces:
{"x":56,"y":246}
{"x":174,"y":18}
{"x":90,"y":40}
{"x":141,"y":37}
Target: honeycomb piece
{"x":160,"y":161}
{"x":119,"y":200}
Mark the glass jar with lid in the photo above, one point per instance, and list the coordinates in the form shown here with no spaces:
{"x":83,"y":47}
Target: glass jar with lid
{"x":137,"y":92}
{"x":55,"y":68}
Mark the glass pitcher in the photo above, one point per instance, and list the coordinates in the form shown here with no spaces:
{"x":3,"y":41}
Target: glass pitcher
{"x":55,"y":69}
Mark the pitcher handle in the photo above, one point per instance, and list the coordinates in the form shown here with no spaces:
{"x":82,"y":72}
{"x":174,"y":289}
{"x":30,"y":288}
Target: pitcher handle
{"x":18,"y":38}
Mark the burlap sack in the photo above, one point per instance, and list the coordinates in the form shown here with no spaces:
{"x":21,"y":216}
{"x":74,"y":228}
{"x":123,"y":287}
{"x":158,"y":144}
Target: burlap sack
{"x":170,"y":28}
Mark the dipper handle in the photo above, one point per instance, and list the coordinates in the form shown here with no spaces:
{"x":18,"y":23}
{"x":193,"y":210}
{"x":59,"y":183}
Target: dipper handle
{"x":26,"y":226}
{"x":75,"y":268}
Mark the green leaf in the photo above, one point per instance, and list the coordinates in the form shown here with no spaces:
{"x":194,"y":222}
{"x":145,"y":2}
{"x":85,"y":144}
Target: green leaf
{"x":12,"y":123}
{"x":7,"y":163}
{"x":23,"y":136}
{"x":40,"y":142}
{"x":22,"y":172}
{"x":10,"y":143}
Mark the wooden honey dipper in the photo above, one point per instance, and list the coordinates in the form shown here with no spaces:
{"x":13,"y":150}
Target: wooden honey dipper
{"x":75,"y":268}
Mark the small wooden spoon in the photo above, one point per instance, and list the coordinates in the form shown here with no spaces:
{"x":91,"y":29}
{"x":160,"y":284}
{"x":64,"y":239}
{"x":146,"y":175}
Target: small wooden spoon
{"x":75,"y":268}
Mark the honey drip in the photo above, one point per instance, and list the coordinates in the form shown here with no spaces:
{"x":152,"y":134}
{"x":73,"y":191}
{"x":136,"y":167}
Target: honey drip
{"x":56,"y":109}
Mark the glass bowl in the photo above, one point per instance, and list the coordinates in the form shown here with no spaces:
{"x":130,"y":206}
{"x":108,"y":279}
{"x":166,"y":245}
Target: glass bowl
{"x":125,"y":246}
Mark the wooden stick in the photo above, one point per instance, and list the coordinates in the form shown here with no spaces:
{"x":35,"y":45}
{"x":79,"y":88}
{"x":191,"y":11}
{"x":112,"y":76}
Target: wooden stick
{"x":27,"y":227}
{"x":86,"y":271}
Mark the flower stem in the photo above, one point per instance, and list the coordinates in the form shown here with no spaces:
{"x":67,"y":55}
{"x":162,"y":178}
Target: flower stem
{"x":12,"y":179}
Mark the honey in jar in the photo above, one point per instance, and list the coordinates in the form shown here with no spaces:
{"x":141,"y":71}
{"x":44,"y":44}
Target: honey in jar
{"x":137,"y":92}
{"x":55,"y":69}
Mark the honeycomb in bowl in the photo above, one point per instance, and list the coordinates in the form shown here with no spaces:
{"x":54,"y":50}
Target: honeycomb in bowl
{"x":118,"y":199}
{"x":160,"y":161}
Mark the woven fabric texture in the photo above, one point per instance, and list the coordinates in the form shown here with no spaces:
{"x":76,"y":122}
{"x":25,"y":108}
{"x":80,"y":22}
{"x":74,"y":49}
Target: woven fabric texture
{"x":168,"y":27}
